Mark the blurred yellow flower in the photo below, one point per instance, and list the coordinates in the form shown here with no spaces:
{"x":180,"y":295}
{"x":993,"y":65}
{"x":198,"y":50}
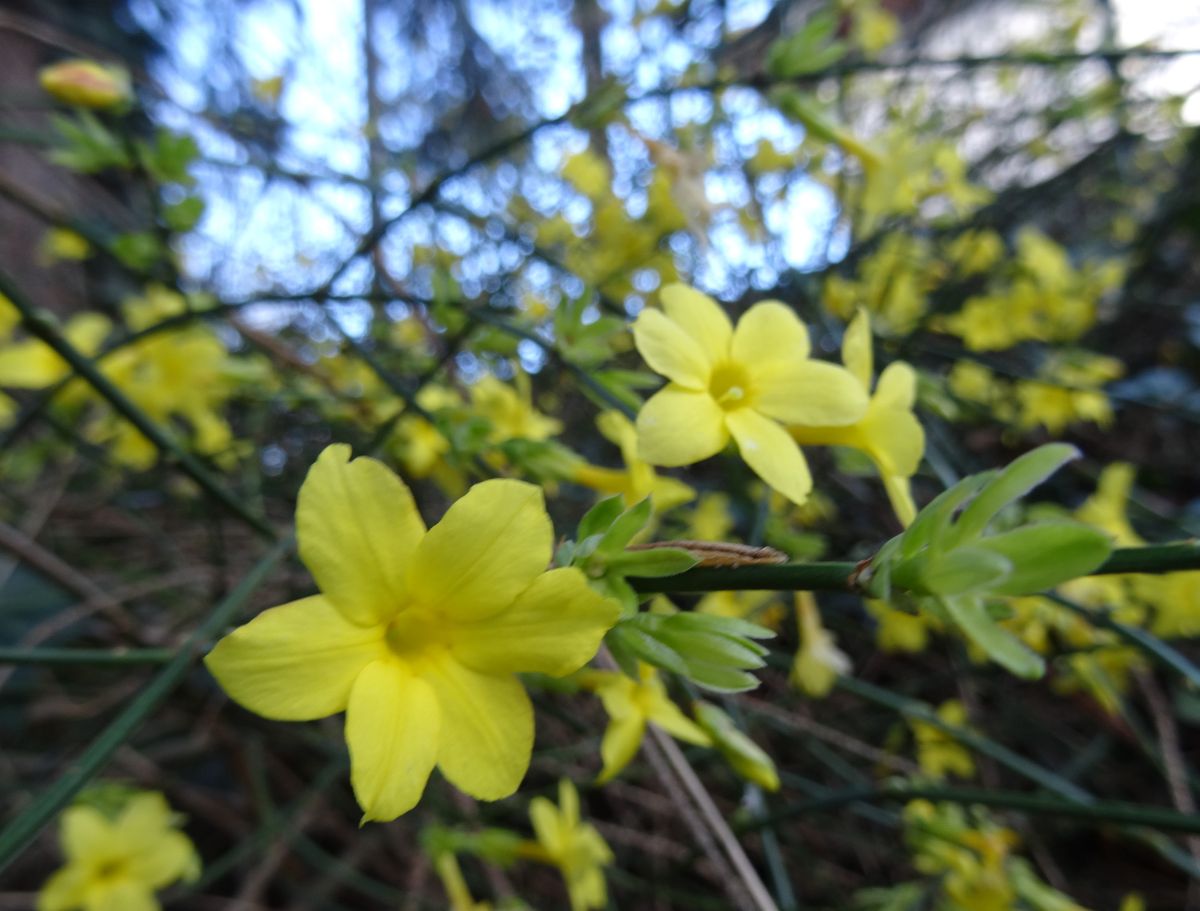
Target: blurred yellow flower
{"x":745,"y":383}
{"x":510,"y":410}
{"x":819,"y":661}
{"x":889,"y":432}
{"x":631,"y":705}
{"x":118,"y":864}
{"x":575,"y":847}
{"x":639,"y":479}
{"x":417,"y":635}
{"x":938,"y":753}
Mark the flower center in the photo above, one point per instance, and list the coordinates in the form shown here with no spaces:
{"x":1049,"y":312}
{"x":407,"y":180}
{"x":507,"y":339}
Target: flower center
{"x":730,"y":385}
{"x":416,"y":632}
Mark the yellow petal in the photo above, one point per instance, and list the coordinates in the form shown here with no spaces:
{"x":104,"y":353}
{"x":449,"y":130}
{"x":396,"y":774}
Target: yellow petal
{"x":899,"y":493}
{"x":809,"y":393}
{"x":31,"y":364}
{"x":172,"y":857}
{"x":699,"y":316}
{"x":668,"y":493}
{"x":622,"y":738}
{"x":774,"y":456}
{"x":143,"y":821}
{"x":667,"y":715}
{"x":487,"y":729}
{"x":296,"y":662}
{"x":670,"y":351}
{"x":66,"y":890}
{"x":488,"y":548}
{"x":857,"y":354}
{"x":554,"y":627}
{"x":897,"y":386}
{"x":770,"y":332}
{"x":678,"y":427}
{"x":357,"y":528}
{"x":895,"y":440}
{"x":121,"y":895}
{"x":392,"y":729}
{"x":84,"y":833}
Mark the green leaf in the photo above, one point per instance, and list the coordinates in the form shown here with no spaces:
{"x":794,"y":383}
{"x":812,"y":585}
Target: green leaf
{"x":597,"y":519}
{"x":182,"y":216}
{"x":140,"y":251}
{"x":967,"y":569}
{"x":970,"y":615}
{"x":652,"y":563}
{"x":720,"y":679}
{"x":931,"y":521}
{"x":1012,"y":483}
{"x":715,"y":623}
{"x":1044,"y":556}
{"x":745,"y":756}
{"x":723,"y":650}
{"x":624,"y":528}
{"x":645,"y":646}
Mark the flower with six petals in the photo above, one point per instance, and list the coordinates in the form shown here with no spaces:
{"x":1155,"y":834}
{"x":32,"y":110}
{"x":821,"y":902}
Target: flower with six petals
{"x":417,"y":635}
{"x":118,"y":864}
{"x":744,"y":383}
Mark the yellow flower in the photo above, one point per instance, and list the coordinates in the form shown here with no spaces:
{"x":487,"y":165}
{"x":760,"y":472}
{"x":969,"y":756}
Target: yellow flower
{"x":757,"y":607}
{"x":63,"y":244}
{"x":938,"y":753}
{"x":510,"y":410}
{"x":32,"y":364}
{"x":417,"y":635}
{"x":639,"y":479}
{"x":898,"y":631}
{"x":889,"y":433}
{"x":819,"y":661}
{"x":118,"y":864}
{"x":712,"y":518}
{"x":575,"y":847}
{"x":631,"y":705}
{"x":87,"y":84}
{"x":745,"y":383}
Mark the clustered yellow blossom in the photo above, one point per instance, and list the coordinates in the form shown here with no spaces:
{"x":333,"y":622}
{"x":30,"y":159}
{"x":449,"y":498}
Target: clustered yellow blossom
{"x":1040,"y":297}
{"x":118,"y":863}
{"x":1067,"y":389}
{"x":747,"y":383}
{"x":974,"y":861}
{"x":184,"y":372}
{"x":417,"y":635}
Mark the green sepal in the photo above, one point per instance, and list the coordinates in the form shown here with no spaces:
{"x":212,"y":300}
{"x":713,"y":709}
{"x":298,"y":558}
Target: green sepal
{"x":970,"y":615}
{"x":646,"y":646}
{"x":1013,"y":482}
{"x":1046,"y":555}
{"x":624,"y":528}
{"x":744,"y":756}
{"x":600,"y":517}
{"x":960,"y":571}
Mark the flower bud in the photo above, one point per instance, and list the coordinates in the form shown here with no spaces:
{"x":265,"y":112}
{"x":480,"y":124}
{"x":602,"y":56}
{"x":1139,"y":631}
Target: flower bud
{"x":87,"y":84}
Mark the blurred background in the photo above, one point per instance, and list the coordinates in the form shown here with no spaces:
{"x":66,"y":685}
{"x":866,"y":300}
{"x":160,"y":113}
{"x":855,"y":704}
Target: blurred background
{"x":379,"y":208}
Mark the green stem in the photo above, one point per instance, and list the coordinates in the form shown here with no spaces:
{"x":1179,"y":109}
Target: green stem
{"x":41,"y":327}
{"x":19,"y":834}
{"x":94,"y":656}
{"x":1101,"y":811}
{"x":1160,"y":651}
{"x":1178,"y":556}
